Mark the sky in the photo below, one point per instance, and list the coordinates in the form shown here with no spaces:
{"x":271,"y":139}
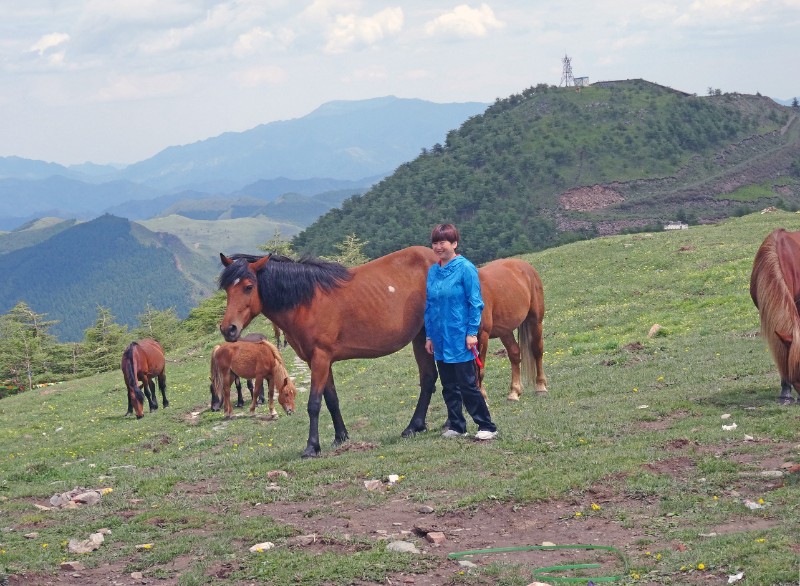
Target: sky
{"x":117,"y":81}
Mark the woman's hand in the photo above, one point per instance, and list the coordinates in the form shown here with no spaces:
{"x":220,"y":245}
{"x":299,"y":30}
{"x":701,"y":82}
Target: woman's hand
{"x":472,"y":342}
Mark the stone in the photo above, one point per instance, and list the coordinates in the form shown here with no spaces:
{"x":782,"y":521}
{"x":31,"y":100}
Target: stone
{"x":402,"y":547}
{"x":436,"y":537}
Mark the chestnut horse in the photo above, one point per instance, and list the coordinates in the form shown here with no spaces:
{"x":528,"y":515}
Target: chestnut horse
{"x":142,"y":361}
{"x":775,"y":290}
{"x":332,"y":313}
{"x":252,"y":360}
{"x":513,"y":299}
{"x":252,"y":337}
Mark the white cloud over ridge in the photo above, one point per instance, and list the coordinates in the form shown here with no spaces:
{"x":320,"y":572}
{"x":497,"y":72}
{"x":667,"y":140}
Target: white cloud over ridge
{"x":464,"y":22}
{"x":352,"y":31}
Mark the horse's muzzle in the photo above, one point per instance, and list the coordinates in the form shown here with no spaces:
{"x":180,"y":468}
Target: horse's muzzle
{"x":231,"y":333}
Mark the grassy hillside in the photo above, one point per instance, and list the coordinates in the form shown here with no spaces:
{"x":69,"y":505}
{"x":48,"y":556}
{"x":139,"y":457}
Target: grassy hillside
{"x":32,"y":233}
{"x":627,"y":450}
{"x":551,"y":165}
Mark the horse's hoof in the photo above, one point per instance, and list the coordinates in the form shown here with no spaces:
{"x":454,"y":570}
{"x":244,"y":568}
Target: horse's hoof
{"x":786,"y":401}
{"x":139,"y":416}
{"x":513,"y":397}
{"x":541,"y":392}
{"x":310,"y":452}
{"x":166,"y":403}
{"x":412,"y":431}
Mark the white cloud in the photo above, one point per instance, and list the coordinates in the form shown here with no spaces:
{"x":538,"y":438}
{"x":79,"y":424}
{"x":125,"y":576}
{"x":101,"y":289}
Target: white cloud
{"x":48,"y":42}
{"x":260,"y":76}
{"x":350,"y":30}
{"x":464,"y":22}
{"x":138,"y":87}
{"x":258,"y":38}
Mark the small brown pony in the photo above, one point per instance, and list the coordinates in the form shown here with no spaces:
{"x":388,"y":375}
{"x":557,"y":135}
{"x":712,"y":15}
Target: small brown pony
{"x":252,"y":360}
{"x":332,"y":313}
{"x":513,"y":299}
{"x":142,"y":361}
{"x":775,"y":289}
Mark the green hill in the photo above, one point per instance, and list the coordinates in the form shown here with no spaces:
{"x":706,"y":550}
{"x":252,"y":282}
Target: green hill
{"x":551,"y":165}
{"x":109,"y":262}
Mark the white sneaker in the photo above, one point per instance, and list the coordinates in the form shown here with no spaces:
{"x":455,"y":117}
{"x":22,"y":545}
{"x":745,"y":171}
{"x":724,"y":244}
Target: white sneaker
{"x":453,"y":433}
{"x":485,"y":435}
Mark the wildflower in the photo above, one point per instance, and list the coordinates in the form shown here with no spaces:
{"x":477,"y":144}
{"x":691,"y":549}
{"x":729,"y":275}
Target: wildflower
{"x":701,"y":566}
{"x":44,"y":546}
{"x":635,"y":389}
{"x":760,"y":501}
{"x":658,"y":557}
{"x":760,"y":540}
{"x":578,"y":514}
{"x":595,"y":507}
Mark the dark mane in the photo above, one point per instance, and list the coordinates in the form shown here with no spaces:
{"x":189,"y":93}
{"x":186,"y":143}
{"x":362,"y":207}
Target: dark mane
{"x":285,"y":283}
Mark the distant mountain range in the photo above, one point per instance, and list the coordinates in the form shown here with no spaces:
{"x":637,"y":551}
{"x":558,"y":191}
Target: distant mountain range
{"x":339,"y":146}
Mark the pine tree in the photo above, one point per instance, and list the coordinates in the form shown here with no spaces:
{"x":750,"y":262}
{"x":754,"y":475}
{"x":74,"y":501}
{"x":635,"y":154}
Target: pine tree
{"x":103,"y":343}
{"x":26,"y":346}
{"x":163,"y":326}
{"x":351,"y":252}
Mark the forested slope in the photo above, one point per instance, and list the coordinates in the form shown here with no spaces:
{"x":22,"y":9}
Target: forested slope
{"x":551,"y":165}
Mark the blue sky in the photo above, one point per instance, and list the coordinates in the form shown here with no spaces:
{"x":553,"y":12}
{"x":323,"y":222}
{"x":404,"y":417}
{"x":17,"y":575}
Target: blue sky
{"x":116,"y":81}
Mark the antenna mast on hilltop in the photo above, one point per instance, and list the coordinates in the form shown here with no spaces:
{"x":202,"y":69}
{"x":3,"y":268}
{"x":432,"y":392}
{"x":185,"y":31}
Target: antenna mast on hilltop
{"x":566,"y":75}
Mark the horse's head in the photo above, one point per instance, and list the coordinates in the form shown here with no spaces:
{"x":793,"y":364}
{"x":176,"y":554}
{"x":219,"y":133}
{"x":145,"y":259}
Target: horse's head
{"x":240,"y":281}
{"x":286,"y":391}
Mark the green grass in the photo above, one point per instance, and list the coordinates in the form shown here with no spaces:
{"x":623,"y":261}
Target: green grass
{"x":187,"y":484}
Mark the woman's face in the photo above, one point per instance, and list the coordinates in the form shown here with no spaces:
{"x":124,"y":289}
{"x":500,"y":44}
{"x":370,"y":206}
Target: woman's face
{"x":444,"y":249}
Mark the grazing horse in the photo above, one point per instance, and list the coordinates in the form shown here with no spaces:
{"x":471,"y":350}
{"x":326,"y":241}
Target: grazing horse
{"x":142,"y":361}
{"x":513,"y":299}
{"x":775,"y":290}
{"x":332,"y":313}
{"x":256,"y":360}
{"x":253,"y":337}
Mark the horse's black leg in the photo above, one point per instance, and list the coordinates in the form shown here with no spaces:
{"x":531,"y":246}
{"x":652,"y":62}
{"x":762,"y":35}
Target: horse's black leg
{"x":314,"y":405}
{"x":130,"y":404}
{"x":162,"y":385}
{"x":785,"y":397}
{"x":427,"y":386}
{"x":239,"y":399}
{"x":332,"y":403}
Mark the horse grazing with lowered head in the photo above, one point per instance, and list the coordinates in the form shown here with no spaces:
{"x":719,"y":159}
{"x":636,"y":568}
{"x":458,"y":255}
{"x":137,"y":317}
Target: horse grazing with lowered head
{"x":142,"y":361}
{"x":330,"y":313}
{"x":513,"y":300}
{"x":259,"y":360}
{"x":252,"y":337}
{"x":775,"y":290}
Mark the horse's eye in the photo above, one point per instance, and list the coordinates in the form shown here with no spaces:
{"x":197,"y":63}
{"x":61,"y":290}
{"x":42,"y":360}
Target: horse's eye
{"x":248,"y":288}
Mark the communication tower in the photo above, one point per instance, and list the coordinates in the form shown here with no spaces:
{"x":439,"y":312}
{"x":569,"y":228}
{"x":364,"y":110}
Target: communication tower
{"x":566,"y":76}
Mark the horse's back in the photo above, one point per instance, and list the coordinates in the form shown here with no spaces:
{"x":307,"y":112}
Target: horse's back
{"x":154,"y":354}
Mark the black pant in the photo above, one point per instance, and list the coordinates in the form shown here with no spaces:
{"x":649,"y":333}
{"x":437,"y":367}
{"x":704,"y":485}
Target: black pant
{"x":460,"y":390}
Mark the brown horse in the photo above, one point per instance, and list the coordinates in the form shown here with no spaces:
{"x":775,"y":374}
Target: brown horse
{"x":513,"y":300}
{"x":142,"y":361}
{"x":332,"y":313}
{"x":252,"y":360}
{"x":775,"y":290}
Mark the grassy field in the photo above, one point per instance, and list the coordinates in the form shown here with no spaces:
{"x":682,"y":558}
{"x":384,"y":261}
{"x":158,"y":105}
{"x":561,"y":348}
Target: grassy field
{"x":627,"y":450}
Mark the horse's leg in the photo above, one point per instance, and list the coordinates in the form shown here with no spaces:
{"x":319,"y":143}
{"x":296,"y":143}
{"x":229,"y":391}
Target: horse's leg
{"x":537,"y":347}
{"x":427,"y":386}
{"x":785,"y":397}
{"x":130,"y":404}
{"x":238,"y":382}
{"x":260,"y":396}
{"x":226,"y":394}
{"x":515,"y":358}
{"x":332,"y":403}
{"x":162,"y":385}
{"x":147,"y":393}
{"x":271,"y":394}
{"x":320,"y":370}
{"x":152,"y":384}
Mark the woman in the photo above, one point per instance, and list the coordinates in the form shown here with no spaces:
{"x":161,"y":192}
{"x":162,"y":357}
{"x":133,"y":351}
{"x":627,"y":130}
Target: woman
{"x":452,"y":316}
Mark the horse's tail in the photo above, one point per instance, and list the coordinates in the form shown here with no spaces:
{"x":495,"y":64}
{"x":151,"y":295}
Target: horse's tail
{"x":528,"y":361}
{"x":776,"y":308}
{"x":216,"y":375}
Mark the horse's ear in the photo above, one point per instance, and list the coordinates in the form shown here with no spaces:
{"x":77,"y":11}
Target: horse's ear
{"x":225,"y":260}
{"x":259,"y":264}
{"x":785,"y":338}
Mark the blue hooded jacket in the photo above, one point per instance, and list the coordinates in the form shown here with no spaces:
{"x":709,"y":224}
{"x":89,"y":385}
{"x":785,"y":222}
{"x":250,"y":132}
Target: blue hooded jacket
{"x":452,"y":309}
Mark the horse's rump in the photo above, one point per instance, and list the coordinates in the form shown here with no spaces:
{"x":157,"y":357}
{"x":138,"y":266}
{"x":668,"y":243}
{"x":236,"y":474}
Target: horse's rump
{"x":774,"y":287}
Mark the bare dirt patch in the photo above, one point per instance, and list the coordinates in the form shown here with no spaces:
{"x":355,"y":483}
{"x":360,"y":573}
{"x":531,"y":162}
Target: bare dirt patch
{"x":585,"y":199}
